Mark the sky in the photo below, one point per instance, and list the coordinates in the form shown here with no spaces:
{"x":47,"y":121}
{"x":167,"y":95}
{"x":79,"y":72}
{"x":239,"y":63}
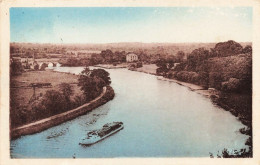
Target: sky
{"x":130,"y":24}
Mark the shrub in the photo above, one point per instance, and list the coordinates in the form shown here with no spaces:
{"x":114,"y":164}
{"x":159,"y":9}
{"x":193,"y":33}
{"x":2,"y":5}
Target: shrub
{"x":139,"y":64}
{"x":186,"y":76}
{"x":54,"y":101}
{"x":215,"y":80}
{"x":78,"y":101}
{"x":16,"y":68}
{"x":232,"y":85}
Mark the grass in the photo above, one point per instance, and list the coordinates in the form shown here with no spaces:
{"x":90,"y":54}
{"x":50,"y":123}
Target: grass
{"x":20,"y":93}
{"x":151,"y":68}
{"x":23,"y":95}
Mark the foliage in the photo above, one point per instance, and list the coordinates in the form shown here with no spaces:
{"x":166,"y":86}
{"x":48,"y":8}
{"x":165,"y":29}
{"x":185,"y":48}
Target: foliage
{"x":232,"y":85}
{"x":217,"y":66}
{"x":241,"y":103}
{"x":36,"y":67}
{"x":92,"y":82}
{"x":164,"y":65}
{"x":247,"y":49}
{"x":139,"y":64}
{"x":229,"y":48}
{"x":95,"y":59}
{"x":196,"y":58}
{"x":54,"y":102}
{"x":67,"y":91}
{"x":186,"y":76}
{"x":101,"y":73}
{"x":16,"y":68}
{"x":72,"y":62}
{"x":180,"y":67}
{"x":243,"y":153}
{"x":180,"y":56}
{"x":238,"y":67}
{"x":43,"y":66}
{"x":107,"y":55}
{"x":215,"y":80}
{"x":79,"y":100}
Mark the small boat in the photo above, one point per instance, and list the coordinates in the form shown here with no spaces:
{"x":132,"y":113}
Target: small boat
{"x":98,"y":135}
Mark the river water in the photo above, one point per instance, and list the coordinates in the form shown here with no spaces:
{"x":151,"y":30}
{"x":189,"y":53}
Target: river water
{"x":161,"y":119}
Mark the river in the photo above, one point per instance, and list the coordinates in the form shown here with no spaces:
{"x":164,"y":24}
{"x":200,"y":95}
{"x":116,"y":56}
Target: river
{"x":161,"y":119}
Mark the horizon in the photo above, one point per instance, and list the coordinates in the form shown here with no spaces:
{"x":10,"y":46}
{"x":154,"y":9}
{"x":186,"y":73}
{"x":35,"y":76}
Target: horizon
{"x":106,"y":25}
{"x":130,"y":42}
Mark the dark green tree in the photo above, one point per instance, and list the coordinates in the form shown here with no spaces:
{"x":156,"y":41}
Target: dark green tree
{"x":54,"y":102}
{"x":91,"y":82}
{"x":16,"y":68}
{"x":67,"y":91}
{"x":101,"y":73}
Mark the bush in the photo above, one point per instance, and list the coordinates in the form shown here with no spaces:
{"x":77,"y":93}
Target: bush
{"x":16,"y":68}
{"x":139,"y":64}
{"x":186,"y":76}
{"x":54,"y":102}
{"x":232,"y":85}
{"x":215,"y":80}
{"x":78,"y":101}
{"x":248,"y":49}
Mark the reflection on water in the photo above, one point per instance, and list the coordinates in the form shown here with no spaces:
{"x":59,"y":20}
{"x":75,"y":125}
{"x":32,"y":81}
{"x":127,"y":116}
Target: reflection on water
{"x":161,"y":119}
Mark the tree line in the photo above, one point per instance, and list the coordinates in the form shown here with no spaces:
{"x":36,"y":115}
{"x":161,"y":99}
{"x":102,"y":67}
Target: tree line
{"x":227,"y":68}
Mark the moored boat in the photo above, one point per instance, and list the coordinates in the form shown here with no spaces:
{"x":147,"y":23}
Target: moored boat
{"x":95,"y":136}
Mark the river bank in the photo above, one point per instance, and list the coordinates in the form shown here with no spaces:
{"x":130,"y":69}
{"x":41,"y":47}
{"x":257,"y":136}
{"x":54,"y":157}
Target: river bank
{"x":212,"y":93}
{"x":236,"y":104}
{"x":151,"y":69}
{"x":110,"y":66}
{"x":38,"y":126}
{"x":180,"y":112}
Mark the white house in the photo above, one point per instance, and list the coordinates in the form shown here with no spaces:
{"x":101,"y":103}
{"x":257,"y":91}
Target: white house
{"x":131,"y":57}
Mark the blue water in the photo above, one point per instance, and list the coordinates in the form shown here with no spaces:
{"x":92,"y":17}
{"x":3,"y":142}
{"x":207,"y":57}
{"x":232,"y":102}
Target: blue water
{"x":161,"y":119}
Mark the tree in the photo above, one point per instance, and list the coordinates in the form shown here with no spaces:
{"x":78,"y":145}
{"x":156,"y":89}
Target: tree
{"x":16,"y":68}
{"x":101,"y":73}
{"x":66,"y":90}
{"x":164,"y":65}
{"x":247,"y":49}
{"x":54,"y":102}
{"x":90,"y":86}
{"x":228,"y":48}
{"x":92,"y":82}
{"x":107,"y":55}
{"x":180,"y":56}
{"x":195,"y":59}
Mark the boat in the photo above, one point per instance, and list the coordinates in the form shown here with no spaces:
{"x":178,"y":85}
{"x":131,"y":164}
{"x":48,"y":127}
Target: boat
{"x":95,"y":136}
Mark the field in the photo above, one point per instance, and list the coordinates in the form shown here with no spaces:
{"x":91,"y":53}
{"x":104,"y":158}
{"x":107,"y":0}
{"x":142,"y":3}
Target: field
{"x":21,"y":93}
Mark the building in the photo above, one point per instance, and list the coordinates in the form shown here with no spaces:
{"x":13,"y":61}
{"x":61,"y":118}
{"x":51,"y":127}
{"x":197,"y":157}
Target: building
{"x":131,"y":57}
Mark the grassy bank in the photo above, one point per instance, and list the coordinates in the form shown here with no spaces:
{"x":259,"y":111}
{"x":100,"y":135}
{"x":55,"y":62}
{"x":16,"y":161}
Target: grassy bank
{"x":148,"y":68}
